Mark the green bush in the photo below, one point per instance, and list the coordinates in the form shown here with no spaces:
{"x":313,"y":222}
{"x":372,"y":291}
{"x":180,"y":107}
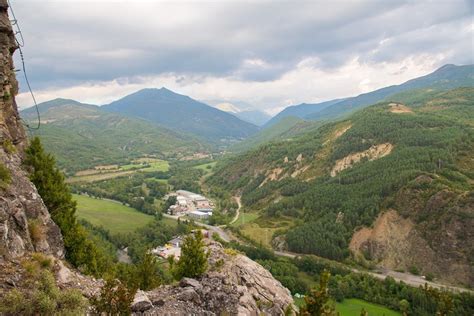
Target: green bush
{"x":43,"y":297}
{"x":4,"y":176}
{"x":115,"y":299}
{"x":8,"y":146}
{"x":414,"y":270}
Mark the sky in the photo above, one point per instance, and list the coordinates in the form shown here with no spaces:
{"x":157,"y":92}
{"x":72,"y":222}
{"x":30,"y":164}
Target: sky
{"x":269,"y":54}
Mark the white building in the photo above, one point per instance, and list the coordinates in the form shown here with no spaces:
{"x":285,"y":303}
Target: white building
{"x":199,"y":215}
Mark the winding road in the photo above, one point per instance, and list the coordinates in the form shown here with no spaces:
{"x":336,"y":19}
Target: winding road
{"x":237,"y":213}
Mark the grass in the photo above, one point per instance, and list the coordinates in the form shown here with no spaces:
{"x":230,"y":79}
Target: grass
{"x":92,"y":175}
{"x":353,"y":306}
{"x":154,"y":165}
{"x":261,"y":235}
{"x":245,"y":218}
{"x":206,"y":167}
{"x":113,"y":216}
{"x":98,"y":176}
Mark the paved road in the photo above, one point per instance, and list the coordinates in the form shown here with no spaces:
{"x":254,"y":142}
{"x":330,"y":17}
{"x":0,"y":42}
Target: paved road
{"x":213,"y":229}
{"x":409,"y":279}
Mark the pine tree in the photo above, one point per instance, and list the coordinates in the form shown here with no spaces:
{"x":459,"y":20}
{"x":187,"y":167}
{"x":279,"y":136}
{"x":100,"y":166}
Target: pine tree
{"x":193,"y":260}
{"x":147,"y":273}
{"x":51,"y":185}
{"x":317,"y":302}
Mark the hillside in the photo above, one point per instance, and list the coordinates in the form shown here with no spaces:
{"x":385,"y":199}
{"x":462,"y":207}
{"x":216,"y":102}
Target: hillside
{"x":301,"y":111}
{"x":181,"y":113}
{"x":98,"y":137}
{"x":284,"y":129}
{"x":444,"y":78}
{"x":390,"y":186}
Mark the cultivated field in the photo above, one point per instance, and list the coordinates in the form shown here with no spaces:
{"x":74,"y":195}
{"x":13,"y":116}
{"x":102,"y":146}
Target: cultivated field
{"x":113,"y":216}
{"x":139,"y":165}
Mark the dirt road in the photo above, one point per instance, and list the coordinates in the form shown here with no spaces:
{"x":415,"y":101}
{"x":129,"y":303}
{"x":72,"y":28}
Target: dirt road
{"x":239,"y":203}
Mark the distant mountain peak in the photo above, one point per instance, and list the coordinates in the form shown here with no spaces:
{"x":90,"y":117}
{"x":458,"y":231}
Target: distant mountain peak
{"x":182,"y":113}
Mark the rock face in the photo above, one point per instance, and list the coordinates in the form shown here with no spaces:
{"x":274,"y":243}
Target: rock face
{"x":234,"y":285}
{"x":398,"y":239}
{"x":21,"y":208}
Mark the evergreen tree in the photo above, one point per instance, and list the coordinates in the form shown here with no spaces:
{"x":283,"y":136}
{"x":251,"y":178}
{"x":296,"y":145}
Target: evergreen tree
{"x":51,"y":186}
{"x":115,"y":299}
{"x":193,"y":260}
{"x":147,"y":273}
{"x":317,"y":302}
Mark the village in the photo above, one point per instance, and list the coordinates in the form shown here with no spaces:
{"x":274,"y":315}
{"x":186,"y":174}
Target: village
{"x":190,"y":205}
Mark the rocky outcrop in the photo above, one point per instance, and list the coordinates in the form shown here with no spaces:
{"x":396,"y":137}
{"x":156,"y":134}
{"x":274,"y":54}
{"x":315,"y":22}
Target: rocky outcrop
{"x":373,"y":153}
{"x":428,"y":229}
{"x":235,"y":285}
{"x":22,"y":212}
{"x":390,"y":241}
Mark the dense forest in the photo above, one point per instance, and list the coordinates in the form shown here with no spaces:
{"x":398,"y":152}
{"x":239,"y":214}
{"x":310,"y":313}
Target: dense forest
{"x":431,"y":139}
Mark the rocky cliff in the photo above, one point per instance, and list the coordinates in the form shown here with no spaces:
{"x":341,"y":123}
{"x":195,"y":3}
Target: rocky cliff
{"x":234,"y":285}
{"x":22,"y":211}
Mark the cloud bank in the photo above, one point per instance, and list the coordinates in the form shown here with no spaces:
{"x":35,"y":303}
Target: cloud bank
{"x":269,"y":54}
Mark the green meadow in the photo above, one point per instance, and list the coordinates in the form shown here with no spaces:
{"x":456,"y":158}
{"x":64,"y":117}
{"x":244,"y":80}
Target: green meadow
{"x":113,"y":216}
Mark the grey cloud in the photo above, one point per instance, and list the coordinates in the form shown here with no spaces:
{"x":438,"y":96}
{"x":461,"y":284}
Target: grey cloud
{"x":70,"y":42}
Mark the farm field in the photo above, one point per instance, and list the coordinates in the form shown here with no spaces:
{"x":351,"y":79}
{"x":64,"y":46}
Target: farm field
{"x":139,"y":165}
{"x":353,"y":306}
{"x":206,"y":167}
{"x":152,"y":165}
{"x":113,"y":216}
{"x":245,"y":218}
{"x":259,"y":234}
{"x":98,"y":176}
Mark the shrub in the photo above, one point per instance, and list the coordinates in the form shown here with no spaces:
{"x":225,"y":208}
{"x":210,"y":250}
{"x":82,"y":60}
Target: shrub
{"x":414,"y":270}
{"x":8,"y":146}
{"x":4,"y":176}
{"x":43,"y":297}
{"x":36,"y":231}
{"x":114,"y":299}
{"x":13,"y":303}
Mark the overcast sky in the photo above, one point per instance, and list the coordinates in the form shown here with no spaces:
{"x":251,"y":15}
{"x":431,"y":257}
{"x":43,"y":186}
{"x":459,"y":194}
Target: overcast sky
{"x":267,"y":53}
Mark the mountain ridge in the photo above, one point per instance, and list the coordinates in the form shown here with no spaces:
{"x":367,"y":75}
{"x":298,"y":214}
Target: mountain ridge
{"x":96,"y":136}
{"x":181,"y":112}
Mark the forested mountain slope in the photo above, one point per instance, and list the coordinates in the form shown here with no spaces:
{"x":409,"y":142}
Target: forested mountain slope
{"x":444,"y":78}
{"x":301,"y":110}
{"x":403,"y":169}
{"x":181,"y":113}
{"x":82,"y":135}
{"x":284,"y":129}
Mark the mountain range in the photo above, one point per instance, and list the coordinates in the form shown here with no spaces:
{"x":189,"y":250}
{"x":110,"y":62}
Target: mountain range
{"x":242,"y":110}
{"x":84,"y":135}
{"x":444,"y":78}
